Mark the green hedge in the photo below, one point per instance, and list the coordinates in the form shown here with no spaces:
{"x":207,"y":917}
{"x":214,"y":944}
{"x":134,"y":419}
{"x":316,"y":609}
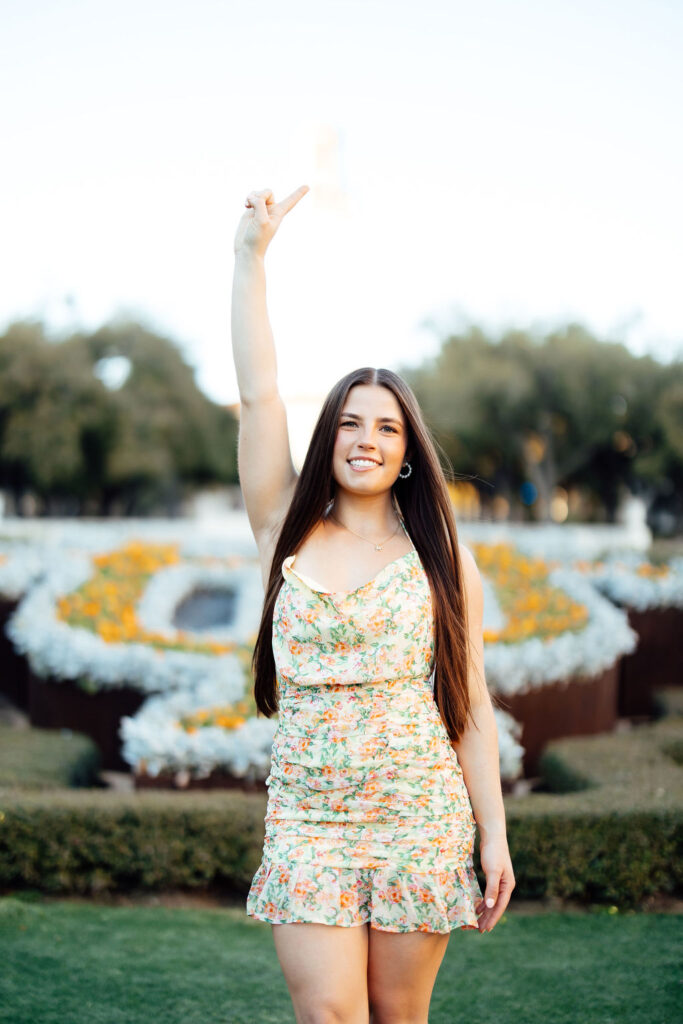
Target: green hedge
{"x":87,"y":841}
{"x":619,"y":839}
{"x":668,"y":701}
{"x":37,"y":759}
{"x":610,"y":825}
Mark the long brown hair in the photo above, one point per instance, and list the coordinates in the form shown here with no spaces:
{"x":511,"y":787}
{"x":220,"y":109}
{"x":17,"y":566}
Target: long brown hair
{"x":427,"y":511}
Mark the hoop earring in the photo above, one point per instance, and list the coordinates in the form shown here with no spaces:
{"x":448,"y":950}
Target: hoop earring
{"x":404,"y":476}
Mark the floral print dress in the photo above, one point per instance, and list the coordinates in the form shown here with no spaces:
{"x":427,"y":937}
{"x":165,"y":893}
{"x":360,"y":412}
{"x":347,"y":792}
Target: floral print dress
{"x":368,"y":818}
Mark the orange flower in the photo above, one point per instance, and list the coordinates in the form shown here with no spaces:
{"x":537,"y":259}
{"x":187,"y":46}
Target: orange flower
{"x":109,"y":599}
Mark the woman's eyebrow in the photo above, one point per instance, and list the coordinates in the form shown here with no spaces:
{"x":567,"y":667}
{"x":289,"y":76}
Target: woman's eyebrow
{"x":380,"y":419}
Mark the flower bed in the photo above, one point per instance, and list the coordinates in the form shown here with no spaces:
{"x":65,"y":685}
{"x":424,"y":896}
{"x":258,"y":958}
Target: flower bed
{"x":189,"y":741}
{"x":64,"y":704}
{"x":578,"y":707}
{"x":101,"y":623}
{"x":13,"y":676}
{"x":82,"y":622}
{"x":553,"y":660}
{"x":510,"y":748}
{"x":652,"y":597}
{"x":557,"y":627}
{"x":194,"y":738}
{"x":98,"y":634}
{"x":656,"y":662}
{"x":21,"y":564}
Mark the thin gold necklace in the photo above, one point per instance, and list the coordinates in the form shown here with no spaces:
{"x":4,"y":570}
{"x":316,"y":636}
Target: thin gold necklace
{"x":378,"y":547}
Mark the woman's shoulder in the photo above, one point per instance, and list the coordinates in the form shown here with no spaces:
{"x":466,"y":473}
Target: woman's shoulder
{"x":465,"y":553}
{"x":472,"y":576}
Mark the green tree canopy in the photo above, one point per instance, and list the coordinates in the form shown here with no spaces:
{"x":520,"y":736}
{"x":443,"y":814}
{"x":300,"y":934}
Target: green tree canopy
{"x":79,"y":445}
{"x":566,"y":409}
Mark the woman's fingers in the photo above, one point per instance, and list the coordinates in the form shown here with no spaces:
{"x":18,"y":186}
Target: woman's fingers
{"x":258,"y":202}
{"x":262,"y":218}
{"x":265,"y":193}
{"x":489,"y":916}
{"x":285,"y":205}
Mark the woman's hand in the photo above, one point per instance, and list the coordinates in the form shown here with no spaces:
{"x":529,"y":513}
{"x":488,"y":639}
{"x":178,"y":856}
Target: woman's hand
{"x":262,"y":219}
{"x":500,"y":880}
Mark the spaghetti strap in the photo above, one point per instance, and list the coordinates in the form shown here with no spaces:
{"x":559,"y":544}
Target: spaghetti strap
{"x":397,"y":510}
{"x":407,"y":534}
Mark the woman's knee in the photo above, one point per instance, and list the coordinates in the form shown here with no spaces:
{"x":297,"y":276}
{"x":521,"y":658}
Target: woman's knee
{"x":330,"y":1012}
{"x":398,"y":1011}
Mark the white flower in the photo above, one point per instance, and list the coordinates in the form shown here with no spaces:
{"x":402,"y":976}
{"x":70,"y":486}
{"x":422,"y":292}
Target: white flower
{"x":61,"y":651}
{"x":518,"y":668}
{"x":153,"y":736}
{"x":510,"y":750}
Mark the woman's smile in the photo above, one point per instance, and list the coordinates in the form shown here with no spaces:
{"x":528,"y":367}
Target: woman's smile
{"x":362,"y":465}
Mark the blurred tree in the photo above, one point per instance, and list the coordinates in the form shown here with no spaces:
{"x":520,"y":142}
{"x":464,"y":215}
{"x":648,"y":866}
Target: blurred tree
{"x":80,"y":446}
{"x":170,"y":436}
{"x":564,"y":410}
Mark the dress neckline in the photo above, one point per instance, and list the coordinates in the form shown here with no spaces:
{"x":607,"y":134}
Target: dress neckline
{"x":313,"y":585}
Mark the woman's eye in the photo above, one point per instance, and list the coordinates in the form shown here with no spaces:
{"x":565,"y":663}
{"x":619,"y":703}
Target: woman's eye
{"x":352,"y":423}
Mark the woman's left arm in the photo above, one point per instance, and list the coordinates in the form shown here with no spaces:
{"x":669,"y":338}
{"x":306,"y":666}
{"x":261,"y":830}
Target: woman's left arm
{"x":479,"y":758}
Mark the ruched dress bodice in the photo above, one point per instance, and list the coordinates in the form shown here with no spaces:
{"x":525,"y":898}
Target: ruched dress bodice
{"x":345,"y":638}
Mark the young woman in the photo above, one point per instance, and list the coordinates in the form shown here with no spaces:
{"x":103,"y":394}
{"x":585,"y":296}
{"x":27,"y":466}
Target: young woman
{"x":385,"y":759}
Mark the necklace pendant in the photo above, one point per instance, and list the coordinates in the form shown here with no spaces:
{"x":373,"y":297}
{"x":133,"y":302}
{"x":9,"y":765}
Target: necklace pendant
{"x":378,"y":547}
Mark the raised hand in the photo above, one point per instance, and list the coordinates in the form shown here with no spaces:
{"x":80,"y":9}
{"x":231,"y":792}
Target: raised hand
{"x":262,"y":219}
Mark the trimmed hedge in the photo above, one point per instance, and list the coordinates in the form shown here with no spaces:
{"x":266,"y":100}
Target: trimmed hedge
{"x":82,"y":841}
{"x":668,"y":701}
{"x":35,"y":759}
{"x":610,"y":826}
{"x":619,"y":839}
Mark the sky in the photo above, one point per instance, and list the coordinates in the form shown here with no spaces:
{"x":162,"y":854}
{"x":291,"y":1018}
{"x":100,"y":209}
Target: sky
{"x":510,"y":164}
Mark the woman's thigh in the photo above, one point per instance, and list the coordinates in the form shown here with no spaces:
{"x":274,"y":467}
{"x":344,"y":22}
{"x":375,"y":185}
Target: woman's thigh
{"x":402,"y":969}
{"x":325,"y":967}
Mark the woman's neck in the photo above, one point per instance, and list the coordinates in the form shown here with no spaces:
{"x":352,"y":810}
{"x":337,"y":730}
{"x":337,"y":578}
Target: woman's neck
{"x":373,"y":516}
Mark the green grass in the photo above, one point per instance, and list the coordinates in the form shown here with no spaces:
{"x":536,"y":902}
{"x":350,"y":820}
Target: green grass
{"x":65,"y":962}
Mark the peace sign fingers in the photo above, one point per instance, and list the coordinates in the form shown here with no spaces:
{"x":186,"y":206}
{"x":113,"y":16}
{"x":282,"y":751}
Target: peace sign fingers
{"x":285,"y":205}
{"x":262,"y":218}
{"x":258,"y":201}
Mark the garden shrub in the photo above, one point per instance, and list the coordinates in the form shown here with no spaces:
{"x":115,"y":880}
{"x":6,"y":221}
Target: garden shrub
{"x":620,"y":837}
{"x":618,"y":840}
{"x":667,"y":701}
{"x":47,"y":758}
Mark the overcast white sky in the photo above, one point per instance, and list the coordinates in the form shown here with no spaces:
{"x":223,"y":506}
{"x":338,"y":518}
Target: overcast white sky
{"x":511,"y":163}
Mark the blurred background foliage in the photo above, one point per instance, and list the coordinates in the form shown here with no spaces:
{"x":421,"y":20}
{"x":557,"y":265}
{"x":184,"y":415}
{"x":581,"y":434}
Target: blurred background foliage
{"x":563,"y":410}
{"x":110,"y":423}
{"x":113,"y":423}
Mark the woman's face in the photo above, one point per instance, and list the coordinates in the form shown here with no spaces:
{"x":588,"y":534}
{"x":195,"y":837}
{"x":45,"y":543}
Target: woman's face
{"x":372,"y":427}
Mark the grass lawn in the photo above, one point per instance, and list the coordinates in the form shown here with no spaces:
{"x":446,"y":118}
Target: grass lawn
{"x":65,"y":962}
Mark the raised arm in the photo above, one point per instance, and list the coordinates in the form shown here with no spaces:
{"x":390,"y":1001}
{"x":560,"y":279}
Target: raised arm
{"x":266,"y":472}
